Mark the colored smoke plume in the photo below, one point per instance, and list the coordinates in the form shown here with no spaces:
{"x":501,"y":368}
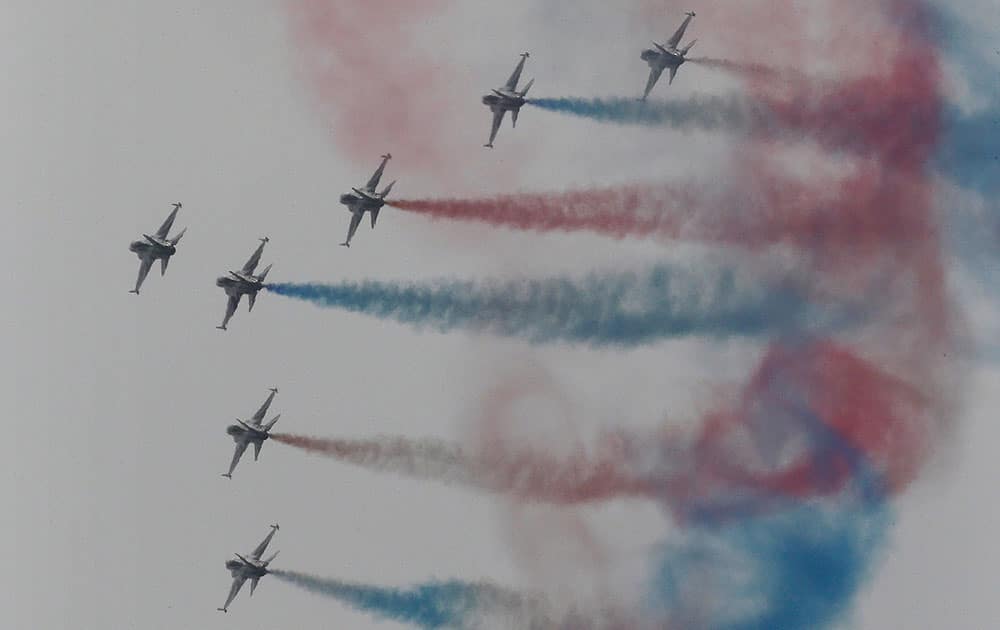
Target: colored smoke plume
{"x":618,"y":309}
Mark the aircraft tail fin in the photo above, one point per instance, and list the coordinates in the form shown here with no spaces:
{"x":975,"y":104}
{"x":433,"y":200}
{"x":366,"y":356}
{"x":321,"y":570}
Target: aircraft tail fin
{"x":527,"y":87}
{"x":375,"y":216}
{"x":685,"y":50}
{"x":387,"y":189}
{"x":251,"y":300}
{"x":177,"y":239}
{"x":267,"y":427}
{"x":253,"y":585}
{"x":268,"y":561}
{"x":163,"y":265}
{"x":264,"y":273}
{"x":513,"y":118}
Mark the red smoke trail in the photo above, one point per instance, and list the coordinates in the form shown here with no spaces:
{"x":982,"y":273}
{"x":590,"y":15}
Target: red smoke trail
{"x":758,"y":71}
{"x":620,"y":212}
{"x":525,"y":473}
{"x":375,"y":83}
{"x":764,"y":208}
{"x":806,"y":421}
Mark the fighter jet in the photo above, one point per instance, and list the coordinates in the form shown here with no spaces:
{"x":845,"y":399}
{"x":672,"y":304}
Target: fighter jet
{"x":366,"y":199}
{"x":243,"y":282}
{"x":252,"y":568}
{"x":667,"y":56}
{"x":507,"y":99}
{"x":253,"y":432}
{"x":156,"y":247}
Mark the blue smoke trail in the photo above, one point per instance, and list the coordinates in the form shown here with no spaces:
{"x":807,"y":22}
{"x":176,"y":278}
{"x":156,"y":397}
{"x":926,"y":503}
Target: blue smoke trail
{"x":790,"y":570}
{"x":970,"y":153}
{"x":433,"y":605}
{"x":451,"y":604}
{"x":620,"y":309}
{"x":776,"y":563}
{"x":706,"y":112}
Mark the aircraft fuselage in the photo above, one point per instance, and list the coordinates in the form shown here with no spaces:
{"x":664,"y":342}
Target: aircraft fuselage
{"x":662,"y":58}
{"x":239,"y":568}
{"x":241,"y":433}
{"x":152,"y":247}
{"x":503,"y":100}
{"x":359,"y":201}
{"x":238,"y":284}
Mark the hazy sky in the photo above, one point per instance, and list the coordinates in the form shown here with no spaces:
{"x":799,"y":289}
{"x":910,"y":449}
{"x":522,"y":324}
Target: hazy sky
{"x":116,"y":515}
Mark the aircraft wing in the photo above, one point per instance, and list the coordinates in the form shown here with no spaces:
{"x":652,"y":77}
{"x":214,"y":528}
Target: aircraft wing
{"x":259,"y":416}
{"x":498,"y":115}
{"x":654,"y":76}
{"x":511,"y":83}
{"x":675,"y":39}
{"x":240,"y":447}
{"x":353,"y":227}
{"x":234,"y":301}
{"x":145,"y":264}
{"x":376,"y":176}
{"x":251,"y":264}
{"x":259,"y":551}
{"x":162,"y":232}
{"x":233,"y":590}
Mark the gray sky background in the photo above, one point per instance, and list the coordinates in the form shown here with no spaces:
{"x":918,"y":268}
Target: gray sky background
{"x":115,"y":514}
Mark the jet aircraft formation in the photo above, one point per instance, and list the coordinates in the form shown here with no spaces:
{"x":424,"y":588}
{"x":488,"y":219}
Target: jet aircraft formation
{"x":246,"y":281}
